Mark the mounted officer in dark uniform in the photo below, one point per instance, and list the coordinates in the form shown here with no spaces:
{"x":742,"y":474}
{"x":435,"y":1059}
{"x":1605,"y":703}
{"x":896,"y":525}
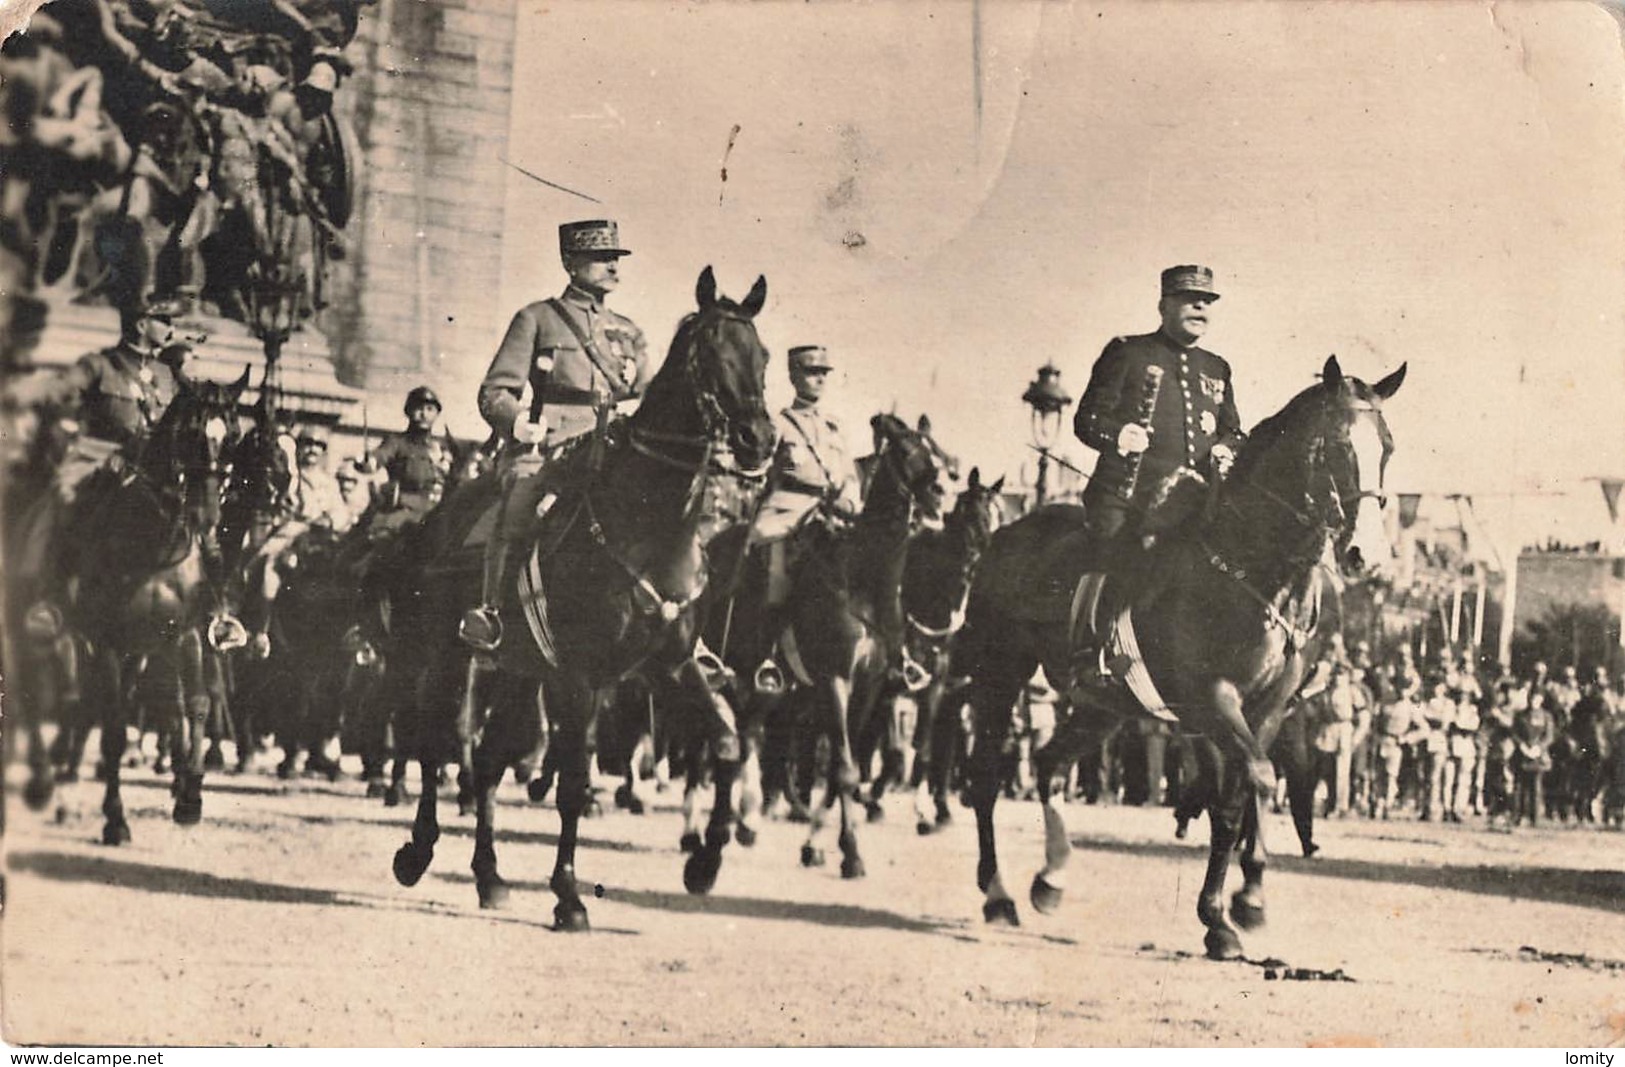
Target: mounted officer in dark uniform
{"x":1186,"y":424}
{"x":579,"y":361}
{"x":107,"y":404}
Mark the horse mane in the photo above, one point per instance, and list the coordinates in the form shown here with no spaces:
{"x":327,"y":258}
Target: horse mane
{"x":1313,"y":400}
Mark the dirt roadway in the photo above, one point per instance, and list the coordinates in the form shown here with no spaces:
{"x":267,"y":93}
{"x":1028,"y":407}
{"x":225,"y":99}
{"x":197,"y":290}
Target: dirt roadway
{"x":277,"y":921}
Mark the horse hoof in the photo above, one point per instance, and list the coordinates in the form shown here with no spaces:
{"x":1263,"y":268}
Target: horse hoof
{"x":37,"y":793}
{"x":214,"y":760}
{"x":691,"y":842}
{"x":537,"y":789}
{"x":68,"y":774}
{"x":394,"y":796}
{"x":1045,"y":897}
{"x":465,"y":806}
{"x":1222,"y":944}
{"x":925,"y":827}
{"x":284,"y":770}
{"x":493,"y":892}
{"x":799,"y":813}
{"x":376,"y":789}
{"x":875,"y":812}
{"x":1000,"y":913}
{"x":188,"y":812}
{"x":592,"y":809}
{"x":945,"y":817}
{"x":746,"y":835}
{"x":628,"y":800}
{"x":700,"y":872}
{"x":116,"y":833}
{"x":812,"y":857}
{"x":410,"y":863}
{"x":852,"y":867}
{"x":570,"y":919}
{"x":1246,"y":912}
{"x":1182,"y":830}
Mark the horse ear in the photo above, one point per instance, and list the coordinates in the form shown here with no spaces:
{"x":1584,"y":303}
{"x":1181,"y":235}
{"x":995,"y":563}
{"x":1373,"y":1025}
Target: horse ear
{"x":755,"y":298}
{"x":923,"y":425}
{"x":1390,"y":385}
{"x":236,"y":388}
{"x":1331,"y":374}
{"x":706,"y":291}
{"x":975,"y":479}
{"x":997,"y":487}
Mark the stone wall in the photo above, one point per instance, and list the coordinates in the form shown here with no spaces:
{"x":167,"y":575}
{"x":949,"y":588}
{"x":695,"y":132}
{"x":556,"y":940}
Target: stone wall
{"x":430,"y":103}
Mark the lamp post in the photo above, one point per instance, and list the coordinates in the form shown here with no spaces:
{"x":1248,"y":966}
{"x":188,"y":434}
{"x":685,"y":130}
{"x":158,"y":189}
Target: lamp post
{"x":1047,"y":399}
{"x":273,"y":311}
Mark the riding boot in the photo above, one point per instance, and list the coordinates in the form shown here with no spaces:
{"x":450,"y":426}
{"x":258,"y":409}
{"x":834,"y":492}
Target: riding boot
{"x":481,"y":627}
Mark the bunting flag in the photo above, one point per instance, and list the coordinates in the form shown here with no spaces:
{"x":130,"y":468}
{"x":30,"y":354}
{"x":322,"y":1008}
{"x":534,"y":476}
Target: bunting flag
{"x":1409,"y":504}
{"x":1610,"y":495}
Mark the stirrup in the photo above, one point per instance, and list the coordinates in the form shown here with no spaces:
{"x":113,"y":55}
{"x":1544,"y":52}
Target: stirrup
{"x":481,"y":629}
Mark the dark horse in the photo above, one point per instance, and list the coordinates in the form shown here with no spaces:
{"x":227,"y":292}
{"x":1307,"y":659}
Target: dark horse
{"x":843,"y":622}
{"x":1223,"y":624}
{"x":936,"y":587}
{"x":145,"y":593}
{"x":609,"y":587}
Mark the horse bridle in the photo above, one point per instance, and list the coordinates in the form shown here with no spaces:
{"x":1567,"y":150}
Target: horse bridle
{"x":1298,"y":635}
{"x":1337,"y":511}
{"x":715,"y":457}
{"x":716,"y":460}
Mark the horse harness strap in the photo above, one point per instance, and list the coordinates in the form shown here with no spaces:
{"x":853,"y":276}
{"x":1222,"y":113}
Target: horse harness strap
{"x":667,"y":608}
{"x":1297,"y":636}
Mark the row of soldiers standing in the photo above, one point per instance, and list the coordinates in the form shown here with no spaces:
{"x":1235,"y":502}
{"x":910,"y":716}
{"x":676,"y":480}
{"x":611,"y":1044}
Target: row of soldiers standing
{"x":1451,"y":745}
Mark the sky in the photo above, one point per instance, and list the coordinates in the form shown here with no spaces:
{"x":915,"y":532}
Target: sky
{"x":949,"y":195}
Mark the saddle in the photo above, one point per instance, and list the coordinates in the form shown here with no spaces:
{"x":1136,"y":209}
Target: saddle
{"x":1041,"y":584}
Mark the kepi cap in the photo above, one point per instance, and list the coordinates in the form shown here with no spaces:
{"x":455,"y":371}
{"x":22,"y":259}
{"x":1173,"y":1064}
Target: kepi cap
{"x":1188,"y":279}
{"x":810,"y":357}
{"x":593,"y":237}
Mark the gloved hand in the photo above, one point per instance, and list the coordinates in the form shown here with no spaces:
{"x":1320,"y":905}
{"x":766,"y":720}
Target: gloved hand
{"x":529,"y":433}
{"x":1133,"y":439}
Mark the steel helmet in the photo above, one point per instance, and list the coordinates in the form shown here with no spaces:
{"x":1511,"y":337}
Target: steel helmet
{"x":422,"y":395}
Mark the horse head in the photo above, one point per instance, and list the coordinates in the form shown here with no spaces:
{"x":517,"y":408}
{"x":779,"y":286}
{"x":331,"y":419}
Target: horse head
{"x":712,"y":389}
{"x":909,"y":468}
{"x":978,"y":511}
{"x":189,"y":455}
{"x":1321,"y":460}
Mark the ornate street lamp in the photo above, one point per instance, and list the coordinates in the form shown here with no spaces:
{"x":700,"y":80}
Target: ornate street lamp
{"x":1047,"y":400}
{"x":274,"y":292}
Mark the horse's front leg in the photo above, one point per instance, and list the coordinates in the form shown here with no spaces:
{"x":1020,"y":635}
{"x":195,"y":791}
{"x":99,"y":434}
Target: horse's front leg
{"x":700,"y":872}
{"x":115,"y":720}
{"x":1227,"y":813}
{"x":569,"y":913}
{"x":414,"y":857}
{"x":192,"y":696}
{"x":485,"y":771}
{"x":1247,"y":904}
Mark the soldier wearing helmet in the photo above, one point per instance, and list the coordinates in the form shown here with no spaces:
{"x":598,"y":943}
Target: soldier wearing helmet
{"x":416,"y":465}
{"x":565,"y":363}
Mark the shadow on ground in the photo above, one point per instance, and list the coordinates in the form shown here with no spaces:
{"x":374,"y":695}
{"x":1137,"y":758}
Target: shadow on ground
{"x":1600,"y":889}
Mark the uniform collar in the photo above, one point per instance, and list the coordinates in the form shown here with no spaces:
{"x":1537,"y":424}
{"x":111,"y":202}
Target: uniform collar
{"x":133,"y":355}
{"x":807,"y":407}
{"x":578,"y":296}
{"x":1162,"y":336}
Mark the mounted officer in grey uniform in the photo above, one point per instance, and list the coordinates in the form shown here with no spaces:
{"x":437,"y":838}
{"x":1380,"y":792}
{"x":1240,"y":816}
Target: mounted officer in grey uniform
{"x":578,"y":361}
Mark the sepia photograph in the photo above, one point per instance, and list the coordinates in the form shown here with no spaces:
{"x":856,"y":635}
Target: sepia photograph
{"x":1016,"y":524}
